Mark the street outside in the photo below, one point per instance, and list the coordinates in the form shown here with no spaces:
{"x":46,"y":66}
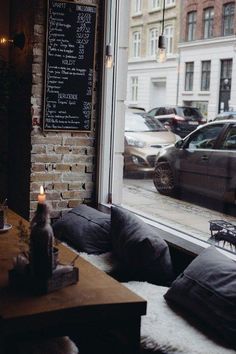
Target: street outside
{"x":184,"y":214}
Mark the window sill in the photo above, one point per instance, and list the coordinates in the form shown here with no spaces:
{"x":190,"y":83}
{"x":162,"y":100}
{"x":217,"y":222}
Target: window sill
{"x":187,"y":93}
{"x":137,"y":14}
{"x":151,"y":11}
{"x":204,"y":93}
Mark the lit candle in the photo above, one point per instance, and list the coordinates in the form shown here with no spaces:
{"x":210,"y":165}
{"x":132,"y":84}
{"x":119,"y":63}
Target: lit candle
{"x":41,"y":196}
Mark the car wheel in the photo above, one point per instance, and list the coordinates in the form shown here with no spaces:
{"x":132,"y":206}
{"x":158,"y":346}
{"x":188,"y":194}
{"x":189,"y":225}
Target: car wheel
{"x":163,"y":179}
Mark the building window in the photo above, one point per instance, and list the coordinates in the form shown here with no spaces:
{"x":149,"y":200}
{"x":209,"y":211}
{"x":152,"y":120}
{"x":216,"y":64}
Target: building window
{"x":228,"y":19}
{"x":189,"y":76}
{"x":191,"y":27}
{"x":208,"y":22}
{"x":170,"y":2}
{"x":206,"y":74}
{"x":137,"y":6}
{"x":153,"y":40}
{"x":154,"y":4}
{"x":136,"y":44}
{"x":134,"y":88}
{"x":169,"y":39}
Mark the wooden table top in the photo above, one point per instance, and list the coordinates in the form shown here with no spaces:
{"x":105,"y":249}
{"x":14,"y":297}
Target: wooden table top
{"x":96,"y":293}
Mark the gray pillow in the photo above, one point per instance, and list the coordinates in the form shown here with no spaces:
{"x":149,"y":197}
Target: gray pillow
{"x":85,"y":229}
{"x":207,"y":290}
{"x":142,"y":254}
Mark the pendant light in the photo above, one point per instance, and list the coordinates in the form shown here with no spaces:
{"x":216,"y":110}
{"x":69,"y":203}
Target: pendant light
{"x":109,"y":58}
{"x":161,"y":52}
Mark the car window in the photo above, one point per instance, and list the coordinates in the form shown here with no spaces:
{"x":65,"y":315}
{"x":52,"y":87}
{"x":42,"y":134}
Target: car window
{"x":161,"y":111}
{"x":229,"y":142}
{"x":170,"y":111}
{"x":189,"y":112}
{"x":137,"y":123}
{"x":205,"y":138}
{"x":153,"y":112}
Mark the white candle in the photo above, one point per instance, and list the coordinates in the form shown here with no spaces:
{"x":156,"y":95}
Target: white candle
{"x":41,"y":196}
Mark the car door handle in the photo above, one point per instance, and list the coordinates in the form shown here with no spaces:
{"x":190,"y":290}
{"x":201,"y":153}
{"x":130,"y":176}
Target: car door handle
{"x":204,"y":157}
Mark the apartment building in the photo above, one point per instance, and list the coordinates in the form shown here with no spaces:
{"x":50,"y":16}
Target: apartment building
{"x":151,"y":83}
{"x":207,"y":50}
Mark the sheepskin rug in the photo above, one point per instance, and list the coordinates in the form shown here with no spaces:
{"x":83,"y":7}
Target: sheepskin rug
{"x":104,"y":261}
{"x":163,"y":331}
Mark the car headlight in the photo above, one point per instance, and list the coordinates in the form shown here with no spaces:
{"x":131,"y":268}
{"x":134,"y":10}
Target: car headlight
{"x":131,"y":141}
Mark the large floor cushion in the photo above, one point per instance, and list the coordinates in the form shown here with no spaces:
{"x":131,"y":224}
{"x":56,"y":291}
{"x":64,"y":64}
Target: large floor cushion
{"x":165,"y":331}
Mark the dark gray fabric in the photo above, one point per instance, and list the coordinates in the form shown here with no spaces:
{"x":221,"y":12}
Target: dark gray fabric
{"x":86,"y":229}
{"x":207,"y":289}
{"x":142,"y":254}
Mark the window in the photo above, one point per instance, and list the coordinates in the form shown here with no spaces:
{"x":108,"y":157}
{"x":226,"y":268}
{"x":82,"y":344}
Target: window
{"x":189,"y":67}
{"x":191,"y":26}
{"x":230,"y":140}
{"x":228,"y":19}
{"x":136,"y":44}
{"x":137,"y":6}
{"x":208,"y":22}
{"x":205,"y":138}
{"x":154,"y":4}
{"x":153,"y":40}
{"x":134,"y":88}
{"x":170,"y":2}
{"x":169,"y":39}
{"x":206,"y":73}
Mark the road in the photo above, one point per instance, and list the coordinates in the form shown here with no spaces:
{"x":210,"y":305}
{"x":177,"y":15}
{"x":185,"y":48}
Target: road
{"x":189,"y":213}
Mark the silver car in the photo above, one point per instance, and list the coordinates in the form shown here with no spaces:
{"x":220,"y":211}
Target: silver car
{"x":203,"y":162}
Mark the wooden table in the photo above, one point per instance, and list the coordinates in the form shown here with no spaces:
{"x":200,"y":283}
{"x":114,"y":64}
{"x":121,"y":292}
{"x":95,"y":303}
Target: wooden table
{"x":98,"y":310}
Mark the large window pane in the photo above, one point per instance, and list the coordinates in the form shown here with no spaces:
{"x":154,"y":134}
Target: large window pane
{"x":189,"y":76}
{"x":191,"y":26}
{"x":206,"y":74}
{"x":228,"y":19}
{"x":208,"y":22}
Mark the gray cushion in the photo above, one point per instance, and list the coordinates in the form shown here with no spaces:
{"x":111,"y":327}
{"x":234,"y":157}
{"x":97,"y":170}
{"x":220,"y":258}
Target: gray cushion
{"x":142,"y":254}
{"x":207,"y":290}
{"x":85,"y":229}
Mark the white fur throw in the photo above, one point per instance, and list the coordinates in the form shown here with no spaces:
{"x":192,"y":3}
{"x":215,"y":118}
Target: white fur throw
{"x":104,"y":261}
{"x":60,"y":345}
{"x":163,"y":331}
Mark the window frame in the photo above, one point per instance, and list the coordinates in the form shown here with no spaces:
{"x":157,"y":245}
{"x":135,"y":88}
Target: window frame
{"x":205,"y":75}
{"x":189,"y":76}
{"x":136,"y":44}
{"x":155,"y":5}
{"x":169,"y":39}
{"x":134,"y":88}
{"x":153,"y":41}
{"x":228,"y":19}
{"x":208,"y":22}
{"x":137,"y":7}
{"x":191,"y":25}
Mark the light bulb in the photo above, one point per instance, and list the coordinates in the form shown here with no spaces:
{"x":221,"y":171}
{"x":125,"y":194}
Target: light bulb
{"x":109,"y":59}
{"x":161,"y":55}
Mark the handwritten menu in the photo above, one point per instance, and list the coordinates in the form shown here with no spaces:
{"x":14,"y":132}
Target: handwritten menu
{"x":69,"y":69}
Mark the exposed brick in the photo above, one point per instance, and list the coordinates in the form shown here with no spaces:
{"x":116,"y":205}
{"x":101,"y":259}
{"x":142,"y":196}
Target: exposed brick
{"x":78,"y":168}
{"x":38,"y":167}
{"x":62,"y":149}
{"x":72,"y":177}
{"x":46,"y":158}
{"x":59,"y":186}
{"x":74,"y":203}
{"x":71,"y":194}
{"x":89,"y":169}
{"x":62,"y":167}
{"x":47,"y":140}
{"x":45,"y":177}
{"x":75,"y":186}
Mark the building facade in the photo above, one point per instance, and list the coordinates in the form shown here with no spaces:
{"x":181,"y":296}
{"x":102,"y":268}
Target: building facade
{"x":207,"y":50}
{"x":151,"y":83}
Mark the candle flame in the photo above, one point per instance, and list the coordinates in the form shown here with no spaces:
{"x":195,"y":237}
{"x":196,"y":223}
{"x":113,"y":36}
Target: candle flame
{"x":41,"y":191}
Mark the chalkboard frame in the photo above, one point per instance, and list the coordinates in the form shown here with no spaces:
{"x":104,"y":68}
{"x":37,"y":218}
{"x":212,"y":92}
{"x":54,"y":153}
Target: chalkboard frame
{"x":46,"y":67}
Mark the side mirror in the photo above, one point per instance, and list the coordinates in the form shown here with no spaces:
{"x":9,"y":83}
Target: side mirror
{"x":179,"y":143}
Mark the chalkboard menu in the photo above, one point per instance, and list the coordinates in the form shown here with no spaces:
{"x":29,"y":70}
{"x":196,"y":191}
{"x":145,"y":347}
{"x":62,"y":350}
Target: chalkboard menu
{"x":69,"y":67}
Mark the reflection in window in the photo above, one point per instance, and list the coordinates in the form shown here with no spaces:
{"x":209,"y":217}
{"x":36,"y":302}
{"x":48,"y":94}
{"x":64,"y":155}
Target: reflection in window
{"x":134,"y":88}
{"x":208,"y":22}
{"x":137,"y":123}
{"x":189,"y":76}
{"x":136,"y":44}
{"x":230,"y":141}
{"x":170,"y":2}
{"x":205,"y":138}
{"x":191,"y":26}
{"x":228,"y":19}
{"x":206,"y":73}
{"x":169,"y":39}
{"x":153,"y":37}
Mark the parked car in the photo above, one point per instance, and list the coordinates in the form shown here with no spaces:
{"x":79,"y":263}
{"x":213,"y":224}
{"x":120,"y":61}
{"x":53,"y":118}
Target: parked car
{"x":180,"y":120}
{"x":144,"y":137}
{"x":226,"y":115}
{"x":203,"y":162}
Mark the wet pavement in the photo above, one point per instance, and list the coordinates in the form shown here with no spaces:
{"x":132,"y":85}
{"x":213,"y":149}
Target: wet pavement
{"x":189,"y":213}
